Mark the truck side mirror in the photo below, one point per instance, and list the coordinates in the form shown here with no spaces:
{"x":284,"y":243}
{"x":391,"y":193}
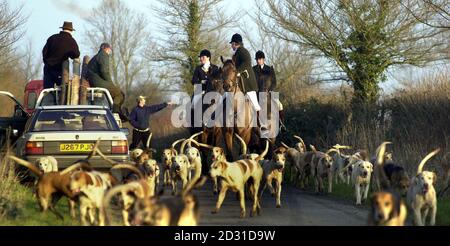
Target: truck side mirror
{"x":18,"y":112}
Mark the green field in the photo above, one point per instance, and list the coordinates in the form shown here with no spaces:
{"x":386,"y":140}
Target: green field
{"x":27,"y":213}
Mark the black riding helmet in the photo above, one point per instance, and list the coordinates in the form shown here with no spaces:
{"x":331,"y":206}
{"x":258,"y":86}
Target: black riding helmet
{"x":259,"y":54}
{"x":237,"y":38}
{"x":206,"y":53}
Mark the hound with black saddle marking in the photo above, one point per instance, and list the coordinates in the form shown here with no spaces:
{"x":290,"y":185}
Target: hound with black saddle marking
{"x":321,"y":167}
{"x":273,"y":171}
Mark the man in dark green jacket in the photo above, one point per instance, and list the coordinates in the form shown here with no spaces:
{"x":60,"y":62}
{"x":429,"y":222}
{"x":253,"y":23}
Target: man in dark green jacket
{"x":99,"y":76}
{"x":243,"y":63}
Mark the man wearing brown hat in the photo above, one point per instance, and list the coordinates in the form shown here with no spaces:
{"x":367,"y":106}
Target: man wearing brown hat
{"x":99,"y":75}
{"x":59,"y":47}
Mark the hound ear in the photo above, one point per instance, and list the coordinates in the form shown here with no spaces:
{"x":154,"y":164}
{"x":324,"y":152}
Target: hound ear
{"x":223,"y":165}
{"x":174,"y":152}
{"x":434,"y":178}
{"x":88,"y":178}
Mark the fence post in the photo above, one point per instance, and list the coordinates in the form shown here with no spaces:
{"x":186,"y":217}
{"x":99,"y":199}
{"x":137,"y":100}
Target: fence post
{"x":64,"y":83}
{"x":75,"y":88}
{"x":84,"y":82}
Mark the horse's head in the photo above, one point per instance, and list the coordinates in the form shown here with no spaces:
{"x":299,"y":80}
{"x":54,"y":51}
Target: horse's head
{"x":229,"y":75}
{"x":216,"y":81}
{"x":265,"y":81}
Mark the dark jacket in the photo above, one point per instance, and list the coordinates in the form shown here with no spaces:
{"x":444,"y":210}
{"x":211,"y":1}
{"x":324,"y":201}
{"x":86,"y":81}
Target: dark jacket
{"x":140,"y":116}
{"x":243,"y":62}
{"x":99,"y":74}
{"x":265,"y":78}
{"x":200,"y":75}
{"x":59,"y":47}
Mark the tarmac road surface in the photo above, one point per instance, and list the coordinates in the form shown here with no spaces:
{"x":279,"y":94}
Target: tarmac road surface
{"x":297,"y":208}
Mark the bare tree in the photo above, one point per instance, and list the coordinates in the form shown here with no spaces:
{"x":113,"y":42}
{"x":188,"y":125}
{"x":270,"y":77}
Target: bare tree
{"x":433,"y":13}
{"x":190,"y":26}
{"x":11,"y":23}
{"x":363,"y":38}
{"x":126,"y":30}
{"x":293,"y":68}
{"x":30,"y":65}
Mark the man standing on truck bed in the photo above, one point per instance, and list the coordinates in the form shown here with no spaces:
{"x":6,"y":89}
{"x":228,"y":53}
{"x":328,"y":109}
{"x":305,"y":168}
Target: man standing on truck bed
{"x":140,"y":120}
{"x":99,"y":76}
{"x":59,"y":47}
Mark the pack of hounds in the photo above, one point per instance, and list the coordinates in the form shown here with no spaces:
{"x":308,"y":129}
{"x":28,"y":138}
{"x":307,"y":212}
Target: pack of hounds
{"x":135,"y":187}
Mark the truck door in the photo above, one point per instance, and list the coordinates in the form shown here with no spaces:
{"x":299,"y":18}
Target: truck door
{"x":13,"y":117}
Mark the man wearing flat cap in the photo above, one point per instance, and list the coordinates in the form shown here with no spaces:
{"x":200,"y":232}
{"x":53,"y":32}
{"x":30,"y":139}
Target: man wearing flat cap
{"x":99,"y":75}
{"x":58,"y":48}
{"x":140,"y":120}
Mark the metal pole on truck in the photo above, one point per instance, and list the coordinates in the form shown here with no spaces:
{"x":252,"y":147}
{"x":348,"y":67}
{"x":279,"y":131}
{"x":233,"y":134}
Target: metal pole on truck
{"x":84,"y":82}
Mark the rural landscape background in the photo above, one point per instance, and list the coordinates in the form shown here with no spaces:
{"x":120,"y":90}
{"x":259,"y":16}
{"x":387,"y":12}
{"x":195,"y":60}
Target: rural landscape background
{"x":355,"y":73}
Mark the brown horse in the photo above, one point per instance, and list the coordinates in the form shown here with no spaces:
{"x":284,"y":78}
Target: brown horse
{"x":213,"y":135}
{"x":242,"y":110}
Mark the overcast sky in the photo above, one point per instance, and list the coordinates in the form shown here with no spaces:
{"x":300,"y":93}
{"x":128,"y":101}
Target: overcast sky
{"x":46,"y":16}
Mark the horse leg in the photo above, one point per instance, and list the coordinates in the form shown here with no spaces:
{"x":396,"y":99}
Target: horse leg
{"x":229,"y":143}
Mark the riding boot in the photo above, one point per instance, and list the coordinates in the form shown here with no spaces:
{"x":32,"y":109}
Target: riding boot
{"x":262,"y":127}
{"x":281,"y":115}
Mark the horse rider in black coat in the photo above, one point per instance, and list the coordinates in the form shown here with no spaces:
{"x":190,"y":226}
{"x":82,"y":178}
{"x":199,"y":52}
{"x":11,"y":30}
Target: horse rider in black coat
{"x":243,"y":63}
{"x":201,"y":80}
{"x":267,"y":80}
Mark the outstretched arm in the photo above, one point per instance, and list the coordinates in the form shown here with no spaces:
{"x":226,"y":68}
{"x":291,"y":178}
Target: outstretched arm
{"x":156,"y":108}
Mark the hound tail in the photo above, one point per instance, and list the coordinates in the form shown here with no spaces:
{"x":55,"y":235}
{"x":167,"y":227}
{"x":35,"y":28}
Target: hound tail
{"x":264,"y":153}
{"x":243,"y":144}
{"x":285,"y":145}
{"x":104,"y":208}
{"x":379,"y":170}
{"x":422,"y":163}
{"x":188,"y":141}
{"x":177,"y":142}
{"x":301,"y":140}
{"x":28,"y":165}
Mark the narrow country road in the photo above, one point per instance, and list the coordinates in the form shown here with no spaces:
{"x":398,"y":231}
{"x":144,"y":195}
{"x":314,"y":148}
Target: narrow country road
{"x":298,"y":208}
